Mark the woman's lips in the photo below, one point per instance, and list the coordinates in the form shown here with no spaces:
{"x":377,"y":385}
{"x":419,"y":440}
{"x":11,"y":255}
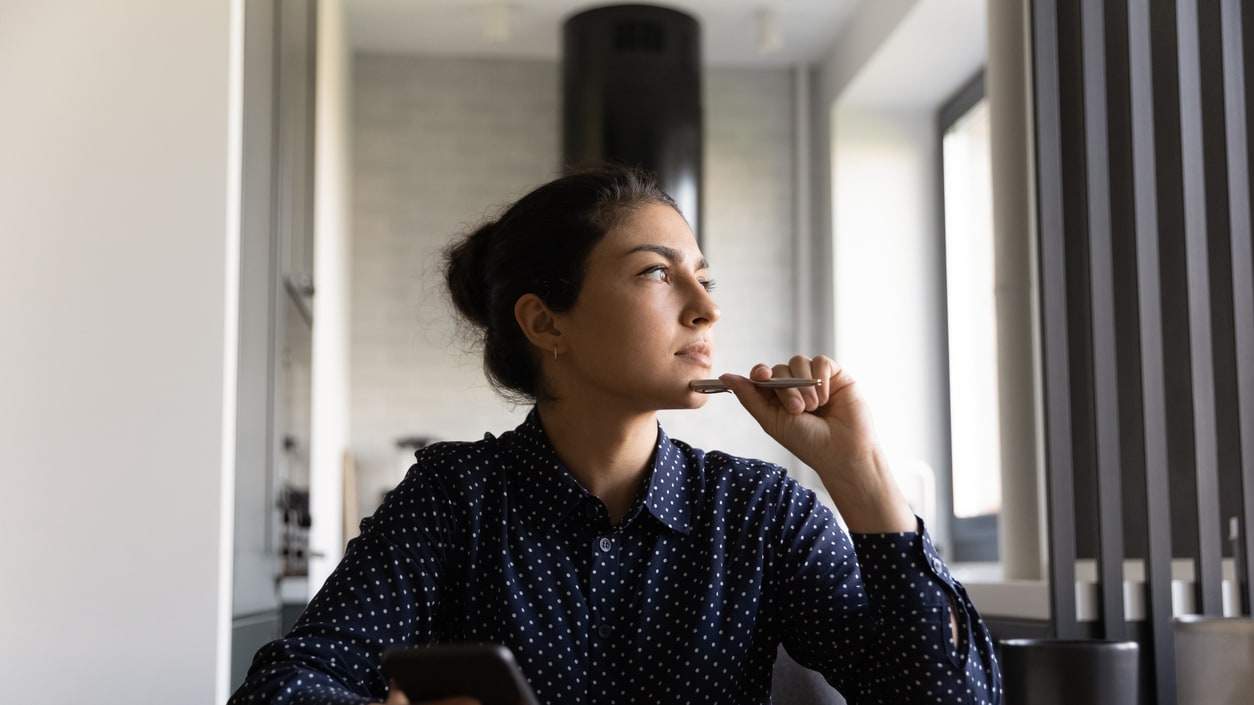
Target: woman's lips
{"x":698,"y":353}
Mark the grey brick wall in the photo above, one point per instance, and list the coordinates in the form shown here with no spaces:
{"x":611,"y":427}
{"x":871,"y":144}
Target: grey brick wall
{"x":441,"y":143}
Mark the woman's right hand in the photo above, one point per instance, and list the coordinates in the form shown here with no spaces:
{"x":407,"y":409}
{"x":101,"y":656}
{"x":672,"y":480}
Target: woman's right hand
{"x":828,"y":427}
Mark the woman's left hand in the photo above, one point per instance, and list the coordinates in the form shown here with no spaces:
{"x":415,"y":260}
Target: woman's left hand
{"x":829,"y":428}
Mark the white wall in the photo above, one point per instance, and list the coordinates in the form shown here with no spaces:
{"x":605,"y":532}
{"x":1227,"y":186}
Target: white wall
{"x":439,"y":143}
{"x":828,"y":79}
{"x":118,"y":227}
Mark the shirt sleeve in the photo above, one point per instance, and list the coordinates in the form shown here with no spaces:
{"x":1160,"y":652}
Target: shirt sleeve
{"x":872,"y":614}
{"x":384,"y":593}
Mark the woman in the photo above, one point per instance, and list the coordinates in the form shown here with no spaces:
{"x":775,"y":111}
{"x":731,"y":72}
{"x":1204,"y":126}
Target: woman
{"x":619,"y":565}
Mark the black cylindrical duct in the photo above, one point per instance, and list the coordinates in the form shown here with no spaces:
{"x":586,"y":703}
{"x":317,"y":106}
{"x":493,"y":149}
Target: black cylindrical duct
{"x":632,"y":95}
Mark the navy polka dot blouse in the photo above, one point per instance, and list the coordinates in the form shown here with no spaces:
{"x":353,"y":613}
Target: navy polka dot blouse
{"x":686,"y":600}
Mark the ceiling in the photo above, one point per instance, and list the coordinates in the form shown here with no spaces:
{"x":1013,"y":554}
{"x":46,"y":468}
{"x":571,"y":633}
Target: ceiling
{"x":731,"y":29}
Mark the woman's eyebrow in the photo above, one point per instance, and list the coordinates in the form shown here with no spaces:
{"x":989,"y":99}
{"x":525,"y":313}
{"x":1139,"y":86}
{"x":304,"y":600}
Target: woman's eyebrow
{"x":670,"y":253}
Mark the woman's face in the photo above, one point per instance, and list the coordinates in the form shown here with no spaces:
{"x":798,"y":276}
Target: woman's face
{"x":642,"y":327}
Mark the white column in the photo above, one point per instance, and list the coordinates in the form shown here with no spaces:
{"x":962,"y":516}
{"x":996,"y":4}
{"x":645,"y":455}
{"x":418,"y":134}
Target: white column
{"x":1008,"y":87}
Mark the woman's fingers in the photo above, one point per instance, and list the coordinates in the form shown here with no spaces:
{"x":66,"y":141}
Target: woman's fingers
{"x":793,"y":400}
{"x":754,"y":400}
{"x":806,"y":368}
{"x":823,"y":368}
{"x":804,"y":398}
{"x":396,"y":696}
{"x":800,"y":399}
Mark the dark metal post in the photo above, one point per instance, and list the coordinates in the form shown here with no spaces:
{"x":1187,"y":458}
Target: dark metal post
{"x":1102,"y":308}
{"x":1158,"y":552}
{"x":1237,"y":24}
{"x":1060,"y":501}
{"x":1197,"y":182}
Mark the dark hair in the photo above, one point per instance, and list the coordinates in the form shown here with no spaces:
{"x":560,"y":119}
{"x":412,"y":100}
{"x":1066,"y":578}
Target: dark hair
{"x":540,"y":246}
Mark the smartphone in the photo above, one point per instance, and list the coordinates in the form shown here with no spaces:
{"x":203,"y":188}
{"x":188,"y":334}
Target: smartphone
{"x":487,"y":672}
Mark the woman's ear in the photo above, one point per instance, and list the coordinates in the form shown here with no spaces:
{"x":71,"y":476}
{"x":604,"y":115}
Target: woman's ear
{"x":537,"y":323}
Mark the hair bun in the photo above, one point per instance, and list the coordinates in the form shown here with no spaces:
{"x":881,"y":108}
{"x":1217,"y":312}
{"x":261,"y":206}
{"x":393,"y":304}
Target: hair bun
{"x":465,"y":267}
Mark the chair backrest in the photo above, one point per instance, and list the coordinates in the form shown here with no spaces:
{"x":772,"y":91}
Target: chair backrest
{"x":794,"y":684}
{"x":1214,"y":660}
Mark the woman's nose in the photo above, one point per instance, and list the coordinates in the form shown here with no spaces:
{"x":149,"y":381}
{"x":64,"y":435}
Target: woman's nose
{"x":702,"y":309}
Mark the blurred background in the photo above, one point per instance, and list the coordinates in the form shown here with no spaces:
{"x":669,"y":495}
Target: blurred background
{"x":225,"y":332}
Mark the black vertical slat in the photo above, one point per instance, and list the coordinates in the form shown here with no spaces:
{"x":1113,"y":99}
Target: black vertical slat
{"x":1218,"y":227}
{"x":1075,"y":224}
{"x":1123,"y":252}
{"x":1060,"y":503}
{"x":1153,"y":369}
{"x":1218,"y":213}
{"x":1236,"y":57}
{"x":1202,"y":365}
{"x":1102,"y":311}
{"x":1173,"y":279}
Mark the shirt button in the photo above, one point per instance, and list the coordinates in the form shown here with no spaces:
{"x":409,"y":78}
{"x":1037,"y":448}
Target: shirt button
{"x":936,"y":566}
{"x":606,"y":544}
{"x":604,"y":631}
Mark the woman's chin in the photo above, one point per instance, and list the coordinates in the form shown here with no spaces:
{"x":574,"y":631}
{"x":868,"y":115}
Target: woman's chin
{"x":690,"y":400}
{"x":696,"y":400}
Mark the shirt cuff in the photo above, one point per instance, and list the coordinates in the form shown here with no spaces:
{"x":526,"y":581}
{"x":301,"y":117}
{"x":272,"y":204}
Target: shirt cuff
{"x":903,"y":568}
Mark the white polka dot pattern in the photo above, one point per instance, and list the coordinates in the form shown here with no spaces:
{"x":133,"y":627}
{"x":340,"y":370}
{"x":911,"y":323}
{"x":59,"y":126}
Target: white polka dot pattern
{"x":686,"y":600}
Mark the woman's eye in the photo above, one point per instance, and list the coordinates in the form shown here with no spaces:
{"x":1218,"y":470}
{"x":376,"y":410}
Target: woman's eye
{"x":657,"y":273}
{"x":707,"y":284}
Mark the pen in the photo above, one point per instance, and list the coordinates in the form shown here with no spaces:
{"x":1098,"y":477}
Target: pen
{"x":711,"y":386}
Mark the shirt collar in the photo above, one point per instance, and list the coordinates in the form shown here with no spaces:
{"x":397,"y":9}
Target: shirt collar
{"x":670,"y":491}
{"x":550,"y":493}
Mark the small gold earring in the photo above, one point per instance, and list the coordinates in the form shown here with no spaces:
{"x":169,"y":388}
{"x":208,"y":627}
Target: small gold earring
{"x":554,"y":353}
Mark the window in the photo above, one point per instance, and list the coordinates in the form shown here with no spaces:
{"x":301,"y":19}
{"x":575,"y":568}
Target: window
{"x":970,"y":285}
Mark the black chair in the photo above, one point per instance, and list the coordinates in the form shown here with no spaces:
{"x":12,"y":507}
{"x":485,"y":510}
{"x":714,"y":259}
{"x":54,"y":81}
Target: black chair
{"x":1075,"y":672}
{"x":1214,"y":660}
